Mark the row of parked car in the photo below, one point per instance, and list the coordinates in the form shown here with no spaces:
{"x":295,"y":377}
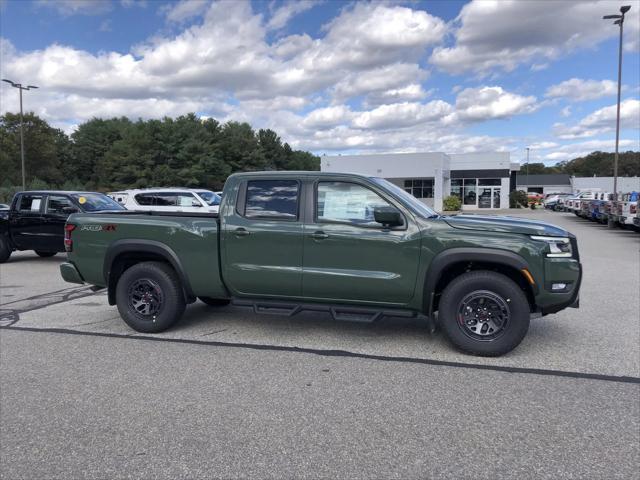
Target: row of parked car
{"x":35,"y":220}
{"x":599,"y":206}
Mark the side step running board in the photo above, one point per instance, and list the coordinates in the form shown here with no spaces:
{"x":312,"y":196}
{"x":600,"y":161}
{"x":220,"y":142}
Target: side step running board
{"x":338,"y":312}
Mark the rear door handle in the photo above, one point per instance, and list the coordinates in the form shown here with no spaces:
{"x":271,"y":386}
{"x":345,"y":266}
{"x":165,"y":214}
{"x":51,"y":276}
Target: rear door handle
{"x":320,"y":235}
{"x":241,"y":232}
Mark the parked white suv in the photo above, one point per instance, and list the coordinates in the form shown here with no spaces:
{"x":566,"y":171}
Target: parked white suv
{"x":168,"y":200}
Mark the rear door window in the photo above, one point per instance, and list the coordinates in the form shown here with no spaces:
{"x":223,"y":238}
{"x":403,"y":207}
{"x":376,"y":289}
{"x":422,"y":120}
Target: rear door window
{"x":272,"y":199}
{"x":30,"y":203}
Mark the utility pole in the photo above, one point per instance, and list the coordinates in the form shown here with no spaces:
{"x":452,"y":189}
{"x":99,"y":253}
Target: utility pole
{"x":21,"y":88}
{"x":527,"y":170}
{"x":619,"y":21}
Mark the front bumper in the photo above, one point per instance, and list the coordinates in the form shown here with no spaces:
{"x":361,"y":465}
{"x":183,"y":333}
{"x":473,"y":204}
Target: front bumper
{"x":570,"y":273}
{"x":70,"y":273}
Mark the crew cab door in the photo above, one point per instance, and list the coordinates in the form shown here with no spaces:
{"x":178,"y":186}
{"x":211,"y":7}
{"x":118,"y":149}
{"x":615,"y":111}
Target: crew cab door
{"x":57,"y":210}
{"x":26,"y":221}
{"x":348,"y":256}
{"x":262,"y":239}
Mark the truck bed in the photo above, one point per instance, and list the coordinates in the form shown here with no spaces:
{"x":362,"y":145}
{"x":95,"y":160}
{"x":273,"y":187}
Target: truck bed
{"x":191,"y":240}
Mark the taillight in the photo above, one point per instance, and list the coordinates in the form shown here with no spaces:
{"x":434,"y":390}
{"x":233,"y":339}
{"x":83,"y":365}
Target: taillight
{"x":68,"y":243}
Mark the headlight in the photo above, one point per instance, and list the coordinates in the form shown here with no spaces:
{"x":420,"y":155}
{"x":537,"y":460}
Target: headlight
{"x":558,"y":246}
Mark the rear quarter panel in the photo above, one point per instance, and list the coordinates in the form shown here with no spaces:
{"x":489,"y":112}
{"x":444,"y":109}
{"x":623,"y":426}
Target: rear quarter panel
{"x":194,"y":240}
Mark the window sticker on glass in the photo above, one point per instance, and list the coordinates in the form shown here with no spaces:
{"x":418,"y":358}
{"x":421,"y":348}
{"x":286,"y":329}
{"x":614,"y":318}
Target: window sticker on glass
{"x":345,"y":204}
{"x":35,"y":205}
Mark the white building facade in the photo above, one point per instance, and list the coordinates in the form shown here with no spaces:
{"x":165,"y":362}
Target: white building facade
{"x":481,"y":180}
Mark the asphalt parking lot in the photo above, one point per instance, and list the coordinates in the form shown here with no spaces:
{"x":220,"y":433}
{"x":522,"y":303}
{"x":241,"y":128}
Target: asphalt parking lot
{"x":228,"y":394}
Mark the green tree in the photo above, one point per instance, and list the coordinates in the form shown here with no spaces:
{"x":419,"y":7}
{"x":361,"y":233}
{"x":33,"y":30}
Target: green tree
{"x":44,"y":149}
{"x":91,"y":141}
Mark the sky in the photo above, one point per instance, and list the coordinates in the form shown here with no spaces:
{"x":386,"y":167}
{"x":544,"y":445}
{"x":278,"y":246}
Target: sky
{"x":337,"y":77}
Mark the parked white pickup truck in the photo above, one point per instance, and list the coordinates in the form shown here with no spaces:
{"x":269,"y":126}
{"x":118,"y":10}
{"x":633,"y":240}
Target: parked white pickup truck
{"x":574,"y":204}
{"x":627,"y":209}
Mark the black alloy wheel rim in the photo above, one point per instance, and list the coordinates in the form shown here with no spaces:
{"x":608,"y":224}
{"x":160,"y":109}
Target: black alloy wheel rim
{"x":483,"y":315}
{"x":146,"y":298}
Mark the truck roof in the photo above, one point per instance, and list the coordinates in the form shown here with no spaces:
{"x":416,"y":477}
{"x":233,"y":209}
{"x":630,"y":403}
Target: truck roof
{"x":63,"y":192}
{"x":299,"y":173}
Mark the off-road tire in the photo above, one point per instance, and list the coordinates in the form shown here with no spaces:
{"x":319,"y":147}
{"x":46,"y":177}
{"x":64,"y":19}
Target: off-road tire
{"x":42,"y":254}
{"x":215,"y":302}
{"x":164,"y":283}
{"x":5,"y":249}
{"x":505,"y":290}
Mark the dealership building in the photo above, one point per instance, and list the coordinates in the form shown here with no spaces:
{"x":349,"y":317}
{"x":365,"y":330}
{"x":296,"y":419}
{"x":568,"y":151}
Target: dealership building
{"x":482,"y":180}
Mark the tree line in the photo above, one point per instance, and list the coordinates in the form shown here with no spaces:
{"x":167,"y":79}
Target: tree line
{"x":597,"y":163}
{"x":117,"y":153}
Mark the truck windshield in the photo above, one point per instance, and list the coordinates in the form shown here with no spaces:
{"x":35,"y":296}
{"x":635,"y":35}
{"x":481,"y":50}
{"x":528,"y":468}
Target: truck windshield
{"x":209,"y":197}
{"x":407,"y":199}
{"x":96,"y":202}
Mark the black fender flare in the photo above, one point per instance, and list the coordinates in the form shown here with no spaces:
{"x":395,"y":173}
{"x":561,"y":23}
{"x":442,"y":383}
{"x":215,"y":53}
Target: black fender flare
{"x":466,"y":254}
{"x":119,"y":247}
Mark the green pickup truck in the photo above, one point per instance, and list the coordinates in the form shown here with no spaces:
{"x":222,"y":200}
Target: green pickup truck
{"x":354,"y":246}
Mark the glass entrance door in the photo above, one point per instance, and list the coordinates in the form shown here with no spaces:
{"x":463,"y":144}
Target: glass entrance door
{"x":496,"y":197}
{"x":489,"y":197}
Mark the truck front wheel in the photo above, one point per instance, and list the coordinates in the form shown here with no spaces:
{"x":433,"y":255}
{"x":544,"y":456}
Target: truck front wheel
{"x":149,"y":297}
{"x":484,"y":313}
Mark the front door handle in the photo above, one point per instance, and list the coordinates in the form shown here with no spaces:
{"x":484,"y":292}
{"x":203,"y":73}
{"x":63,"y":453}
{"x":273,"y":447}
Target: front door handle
{"x":241,"y":232}
{"x":319,"y":235}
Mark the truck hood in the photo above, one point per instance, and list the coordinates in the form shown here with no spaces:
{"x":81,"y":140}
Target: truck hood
{"x":499,"y":223}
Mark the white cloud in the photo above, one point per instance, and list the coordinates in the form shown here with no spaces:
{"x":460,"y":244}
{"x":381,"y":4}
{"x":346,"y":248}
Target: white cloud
{"x":602,"y":120}
{"x":328,"y":117}
{"x":76,"y":7}
{"x":392,"y":81}
{"x":543,"y":145}
{"x":400,"y":115}
{"x":566,"y":111}
{"x":184,"y":10}
{"x":485,"y":103}
{"x":133,"y":3}
{"x":577,"y":89}
{"x":286,"y":12}
{"x":497,"y":35}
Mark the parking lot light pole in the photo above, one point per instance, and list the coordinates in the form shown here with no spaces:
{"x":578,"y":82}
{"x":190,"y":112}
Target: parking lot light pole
{"x":527,"y":170}
{"x":20,"y":87}
{"x":619,"y":21}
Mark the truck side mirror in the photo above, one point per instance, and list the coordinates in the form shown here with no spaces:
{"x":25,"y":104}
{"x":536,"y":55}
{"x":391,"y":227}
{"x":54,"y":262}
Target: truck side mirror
{"x":388,"y":216}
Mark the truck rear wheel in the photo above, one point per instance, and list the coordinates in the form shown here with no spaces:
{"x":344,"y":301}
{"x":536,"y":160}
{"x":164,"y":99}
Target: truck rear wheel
{"x":5,"y":249}
{"x":484,"y":313}
{"x":149,"y":297}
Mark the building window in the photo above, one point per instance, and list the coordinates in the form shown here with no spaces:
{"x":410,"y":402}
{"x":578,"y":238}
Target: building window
{"x":456,"y":187}
{"x":470,"y":191}
{"x":489,"y":182}
{"x":419,"y":187}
